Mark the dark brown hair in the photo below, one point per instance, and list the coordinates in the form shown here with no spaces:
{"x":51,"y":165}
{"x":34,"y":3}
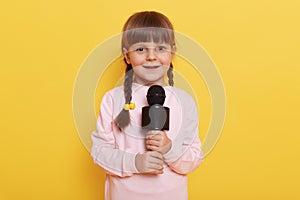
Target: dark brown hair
{"x":143,"y":27}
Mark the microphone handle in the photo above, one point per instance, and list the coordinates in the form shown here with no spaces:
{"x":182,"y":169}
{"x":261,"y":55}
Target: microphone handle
{"x":155,"y":117}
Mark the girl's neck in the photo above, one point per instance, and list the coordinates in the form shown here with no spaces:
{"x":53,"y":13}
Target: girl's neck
{"x":161,"y":83}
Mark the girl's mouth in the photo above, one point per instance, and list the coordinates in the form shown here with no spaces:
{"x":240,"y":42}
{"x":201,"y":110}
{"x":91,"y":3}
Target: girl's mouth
{"x":151,"y":67}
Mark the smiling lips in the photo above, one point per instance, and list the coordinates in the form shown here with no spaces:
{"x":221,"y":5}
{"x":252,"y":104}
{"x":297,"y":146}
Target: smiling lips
{"x":151,"y":67}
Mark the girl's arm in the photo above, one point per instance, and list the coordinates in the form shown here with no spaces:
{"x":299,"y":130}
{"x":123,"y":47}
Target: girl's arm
{"x":104,"y":150}
{"x":189,"y":156}
{"x":185,"y":154}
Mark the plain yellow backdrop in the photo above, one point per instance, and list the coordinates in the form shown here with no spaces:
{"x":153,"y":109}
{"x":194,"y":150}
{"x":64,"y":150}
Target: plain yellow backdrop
{"x":255,"y":45}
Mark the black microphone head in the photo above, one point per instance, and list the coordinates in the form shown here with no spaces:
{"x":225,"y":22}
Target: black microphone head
{"x":156,"y":95}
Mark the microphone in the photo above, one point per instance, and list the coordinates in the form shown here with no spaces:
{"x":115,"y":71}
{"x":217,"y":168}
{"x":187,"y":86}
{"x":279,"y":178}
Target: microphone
{"x":155,"y":116}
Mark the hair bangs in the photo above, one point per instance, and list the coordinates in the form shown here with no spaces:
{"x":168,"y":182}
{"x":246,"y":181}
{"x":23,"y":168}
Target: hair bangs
{"x":149,"y":34}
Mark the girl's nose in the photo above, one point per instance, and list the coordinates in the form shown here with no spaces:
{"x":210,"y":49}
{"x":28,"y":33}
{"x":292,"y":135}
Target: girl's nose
{"x":151,"y":54}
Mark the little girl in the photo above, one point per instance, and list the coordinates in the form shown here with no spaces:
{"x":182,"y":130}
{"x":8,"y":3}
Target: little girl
{"x":148,"y":165}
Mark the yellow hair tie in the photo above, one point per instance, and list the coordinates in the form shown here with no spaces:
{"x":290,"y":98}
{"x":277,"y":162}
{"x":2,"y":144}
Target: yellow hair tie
{"x":129,"y":106}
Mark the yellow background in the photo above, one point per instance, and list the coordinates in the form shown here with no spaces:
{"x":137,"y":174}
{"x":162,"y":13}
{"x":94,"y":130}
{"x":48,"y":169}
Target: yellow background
{"x":255,"y":45}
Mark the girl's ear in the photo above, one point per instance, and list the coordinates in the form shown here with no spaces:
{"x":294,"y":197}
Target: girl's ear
{"x":173,"y":48}
{"x":125,"y":53}
{"x":173,"y":51}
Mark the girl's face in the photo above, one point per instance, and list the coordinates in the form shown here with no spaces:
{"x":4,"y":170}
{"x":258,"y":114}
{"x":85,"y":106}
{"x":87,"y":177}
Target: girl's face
{"x":150,"y":62}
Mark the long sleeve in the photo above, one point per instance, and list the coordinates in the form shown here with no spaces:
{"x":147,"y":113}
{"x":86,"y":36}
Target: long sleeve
{"x":105,"y":151}
{"x":115,"y":150}
{"x":185,"y":154}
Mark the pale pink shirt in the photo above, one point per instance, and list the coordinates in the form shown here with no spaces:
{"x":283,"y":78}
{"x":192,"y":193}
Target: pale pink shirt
{"x":115,"y":150}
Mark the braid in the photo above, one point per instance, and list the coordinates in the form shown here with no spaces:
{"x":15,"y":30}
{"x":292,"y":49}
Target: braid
{"x":123,"y":119}
{"x":170,"y":75}
{"x":128,"y":83}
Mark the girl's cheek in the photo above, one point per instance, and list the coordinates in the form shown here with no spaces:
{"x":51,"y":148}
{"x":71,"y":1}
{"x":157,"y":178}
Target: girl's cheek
{"x":135,"y":66}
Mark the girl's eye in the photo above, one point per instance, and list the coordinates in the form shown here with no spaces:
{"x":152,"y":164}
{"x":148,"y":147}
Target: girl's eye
{"x":140,"y":49}
{"x":161,"y":48}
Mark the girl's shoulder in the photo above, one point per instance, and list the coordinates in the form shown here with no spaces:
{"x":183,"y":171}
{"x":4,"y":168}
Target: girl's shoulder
{"x":186,"y":100}
{"x":118,"y":89}
{"x":180,"y":93}
{"x":113,"y":95}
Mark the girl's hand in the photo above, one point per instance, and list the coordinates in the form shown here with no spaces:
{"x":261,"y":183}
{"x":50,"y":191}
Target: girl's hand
{"x":158,"y":141}
{"x":150,"y":162}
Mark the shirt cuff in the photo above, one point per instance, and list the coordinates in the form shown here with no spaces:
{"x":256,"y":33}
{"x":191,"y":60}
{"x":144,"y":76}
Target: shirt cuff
{"x":129,"y":163}
{"x":174,"y":153}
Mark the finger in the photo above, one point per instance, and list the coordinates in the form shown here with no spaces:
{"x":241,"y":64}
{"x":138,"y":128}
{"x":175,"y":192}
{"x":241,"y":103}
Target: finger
{"x":154,"y":137}
{"x":153,"y":132}
{"x":153,"y":142}
{"x":159,"y":172}
{"x":155,"y":154}
{"x":152,"y":148}
{"x":155,"y":166}
{"x":156,"y":141}
{"x":155,"y":172}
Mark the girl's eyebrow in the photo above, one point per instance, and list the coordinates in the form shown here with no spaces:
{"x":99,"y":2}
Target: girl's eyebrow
{"x":148,"y":43}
